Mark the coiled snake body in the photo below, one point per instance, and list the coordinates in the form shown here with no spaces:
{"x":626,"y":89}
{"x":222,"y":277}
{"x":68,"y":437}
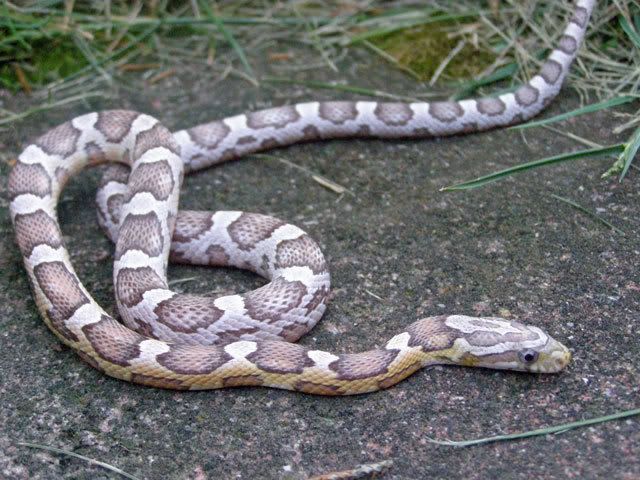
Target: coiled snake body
{"x":188,"y":342}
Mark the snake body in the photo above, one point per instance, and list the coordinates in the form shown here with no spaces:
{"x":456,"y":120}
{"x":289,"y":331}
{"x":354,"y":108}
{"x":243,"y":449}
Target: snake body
{"x":180,"y":341}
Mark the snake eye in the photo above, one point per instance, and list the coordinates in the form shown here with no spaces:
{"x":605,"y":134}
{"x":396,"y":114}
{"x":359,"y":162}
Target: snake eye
{"x":528,"y":356}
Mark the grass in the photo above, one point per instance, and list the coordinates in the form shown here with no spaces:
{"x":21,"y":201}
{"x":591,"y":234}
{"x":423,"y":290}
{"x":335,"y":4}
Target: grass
{"x":45,"y":46}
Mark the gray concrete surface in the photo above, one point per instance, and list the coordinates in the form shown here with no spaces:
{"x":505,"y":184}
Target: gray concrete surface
{"x":508,"y":249}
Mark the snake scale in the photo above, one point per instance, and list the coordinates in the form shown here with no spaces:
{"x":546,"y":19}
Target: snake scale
{"x":179,"y":341}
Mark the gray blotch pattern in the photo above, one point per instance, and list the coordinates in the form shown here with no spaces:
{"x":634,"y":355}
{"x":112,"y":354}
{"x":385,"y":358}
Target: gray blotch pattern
{"x":60,"y":140}
{"x":278,"y":117}
{"x":526,"y":95}
{"x":491,"y":106}
{"x":115,"y":125}
{"x":338,"y":112}
{"x":394,"y":113}
{"x":34,"y":180}
{"x":446,"y":112}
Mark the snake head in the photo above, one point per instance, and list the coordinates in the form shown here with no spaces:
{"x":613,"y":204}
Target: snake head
{"x":506,"y":345}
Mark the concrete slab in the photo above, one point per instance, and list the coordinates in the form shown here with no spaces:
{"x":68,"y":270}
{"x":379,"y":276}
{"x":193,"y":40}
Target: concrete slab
{"x":508,"y":249}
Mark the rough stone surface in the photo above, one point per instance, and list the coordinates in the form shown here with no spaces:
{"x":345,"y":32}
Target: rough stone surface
{"x":508,"y":249}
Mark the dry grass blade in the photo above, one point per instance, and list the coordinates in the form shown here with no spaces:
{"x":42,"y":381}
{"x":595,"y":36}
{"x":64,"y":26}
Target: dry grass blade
{"x":367,"y":470}
{"x":81,"y":457}
{"x":320,"y":179}
{"x":48,"y":106}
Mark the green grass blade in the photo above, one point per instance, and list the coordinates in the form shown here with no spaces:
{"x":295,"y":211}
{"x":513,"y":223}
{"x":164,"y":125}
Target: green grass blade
{"x":623,"y":163}
{"x":541,"y":431}
{"x":228,"y":36}
{"x":13,"y":28}
{"x":629,"y":30}
{"x":564,"y":157}
{"x":340,"y":88}
{"x":588,"y":212}
{"x":594,"y":107}
{"x":629,"y":153}
{"x":84,"y":48}
{"x":501,"y":73}
{"x":81,"y":457}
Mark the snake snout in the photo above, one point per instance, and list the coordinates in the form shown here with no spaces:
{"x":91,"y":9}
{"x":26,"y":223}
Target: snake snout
{"x":555,"y":357}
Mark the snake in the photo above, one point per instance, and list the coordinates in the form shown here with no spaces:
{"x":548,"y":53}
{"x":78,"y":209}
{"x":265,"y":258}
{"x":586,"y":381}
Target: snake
{"x":181,"y":341}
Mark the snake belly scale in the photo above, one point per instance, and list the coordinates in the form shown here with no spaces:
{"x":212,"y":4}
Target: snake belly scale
{"x":178,"y":341}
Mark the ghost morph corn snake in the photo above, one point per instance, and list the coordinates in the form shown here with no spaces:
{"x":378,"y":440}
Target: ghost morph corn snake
{"x":188,"y":342}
